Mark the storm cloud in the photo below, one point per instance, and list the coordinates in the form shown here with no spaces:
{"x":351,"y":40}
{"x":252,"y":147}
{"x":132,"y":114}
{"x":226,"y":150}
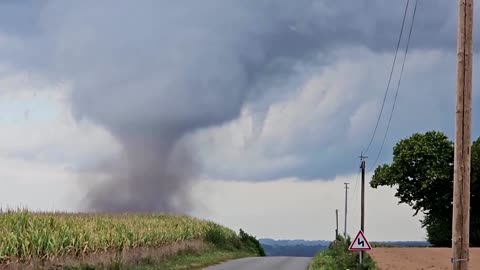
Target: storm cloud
{"x":155,"y":73}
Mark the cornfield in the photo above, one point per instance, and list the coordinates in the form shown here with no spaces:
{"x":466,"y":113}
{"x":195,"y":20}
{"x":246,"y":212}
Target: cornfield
{"x":43,"y":236}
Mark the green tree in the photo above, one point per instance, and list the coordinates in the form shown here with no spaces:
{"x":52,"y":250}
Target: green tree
{"x":475,"y":194}
{"x":422,"y":172}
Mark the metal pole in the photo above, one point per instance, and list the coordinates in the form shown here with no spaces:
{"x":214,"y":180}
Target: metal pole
{"x":336,"y":218}
{"x":346,"y":210}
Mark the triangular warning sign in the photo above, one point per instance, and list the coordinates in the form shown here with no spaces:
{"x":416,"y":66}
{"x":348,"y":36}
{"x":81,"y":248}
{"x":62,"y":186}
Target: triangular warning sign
{"x":360,"y":243}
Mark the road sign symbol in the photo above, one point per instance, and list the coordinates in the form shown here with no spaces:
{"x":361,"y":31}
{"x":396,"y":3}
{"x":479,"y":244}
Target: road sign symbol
{"x":360,"y":243}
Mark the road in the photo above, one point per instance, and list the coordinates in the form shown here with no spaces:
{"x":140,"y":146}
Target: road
{"x":265,"y":263}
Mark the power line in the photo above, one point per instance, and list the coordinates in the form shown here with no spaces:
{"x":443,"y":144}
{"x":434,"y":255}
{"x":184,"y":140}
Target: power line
{"x":354,"y":196}
{"x":389,"y":78}
{"x":398,"y":87}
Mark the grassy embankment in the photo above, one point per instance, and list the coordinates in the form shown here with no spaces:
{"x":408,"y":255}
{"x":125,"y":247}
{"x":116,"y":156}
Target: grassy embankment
{"x":337,"y":256}
{"x":127,"y":241}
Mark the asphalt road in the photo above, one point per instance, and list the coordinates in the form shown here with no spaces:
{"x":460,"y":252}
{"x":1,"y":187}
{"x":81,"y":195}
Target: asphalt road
{"x":265,"y":263}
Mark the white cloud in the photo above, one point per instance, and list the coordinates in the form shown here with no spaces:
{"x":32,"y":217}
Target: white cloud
{"x":291,"y":209}
{"x":36,"y":123}
{"x":37,"y":185}
{"x":42,"y":145}
{"x":364,"y":116}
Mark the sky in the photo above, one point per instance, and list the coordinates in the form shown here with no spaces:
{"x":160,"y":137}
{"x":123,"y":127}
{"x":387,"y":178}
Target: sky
{"x":249,"y":113}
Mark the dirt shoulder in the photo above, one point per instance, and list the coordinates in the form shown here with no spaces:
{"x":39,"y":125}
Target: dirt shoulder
{"x":419,"y":258}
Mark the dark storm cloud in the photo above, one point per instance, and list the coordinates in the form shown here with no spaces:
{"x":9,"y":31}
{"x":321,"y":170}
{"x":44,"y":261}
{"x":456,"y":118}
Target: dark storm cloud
{"x":152,"y":72}
{"x":20,"y":17}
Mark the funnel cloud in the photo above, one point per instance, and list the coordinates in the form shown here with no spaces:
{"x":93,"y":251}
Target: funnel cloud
{"x":153,"y":72}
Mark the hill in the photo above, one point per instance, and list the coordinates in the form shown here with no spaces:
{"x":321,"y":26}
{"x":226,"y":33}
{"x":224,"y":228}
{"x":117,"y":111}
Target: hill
{"x":298,"y":248}
{"x":295,"y":242}
{"x":305,"y":248}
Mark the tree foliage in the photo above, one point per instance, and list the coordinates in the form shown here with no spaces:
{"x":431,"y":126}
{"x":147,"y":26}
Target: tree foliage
{"x":252,"y":242}
{"x":422,"y":172}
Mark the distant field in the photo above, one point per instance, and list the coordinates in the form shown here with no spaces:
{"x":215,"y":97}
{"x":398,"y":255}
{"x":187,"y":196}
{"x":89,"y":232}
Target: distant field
{"x":61,"y":239}
{"x":401,"y":244}
{"x":419,"y":258}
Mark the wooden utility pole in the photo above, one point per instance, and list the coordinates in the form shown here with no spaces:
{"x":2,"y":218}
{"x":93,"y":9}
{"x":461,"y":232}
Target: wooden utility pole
{"x":336,"y":218}
{"x":346,"y":210}
{"x":461,"y":186}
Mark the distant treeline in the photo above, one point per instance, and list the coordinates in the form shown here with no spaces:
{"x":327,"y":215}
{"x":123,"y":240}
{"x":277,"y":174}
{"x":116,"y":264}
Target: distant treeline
{"x":297,"y":250}
{"x":268,"y":241}
{"x":303,"y":248}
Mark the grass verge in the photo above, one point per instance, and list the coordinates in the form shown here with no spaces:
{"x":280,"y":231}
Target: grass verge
{"x":337,"y":256}
{"x":195,"y":261}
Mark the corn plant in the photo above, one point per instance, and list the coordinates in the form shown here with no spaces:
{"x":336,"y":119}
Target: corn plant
{"x":44,"y":236}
